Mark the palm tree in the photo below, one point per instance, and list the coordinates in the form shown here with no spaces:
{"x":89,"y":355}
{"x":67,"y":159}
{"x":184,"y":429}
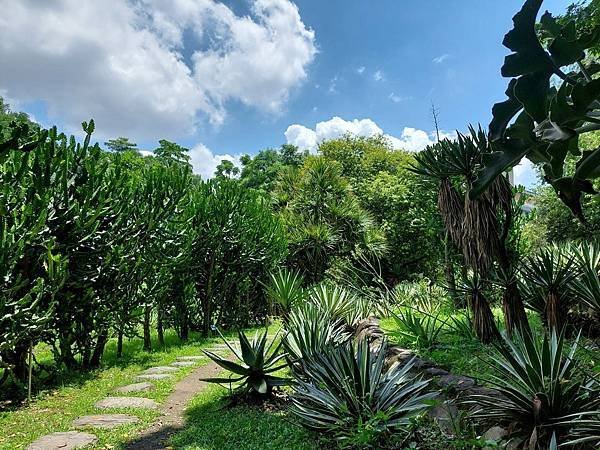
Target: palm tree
{"x":473,"y":225}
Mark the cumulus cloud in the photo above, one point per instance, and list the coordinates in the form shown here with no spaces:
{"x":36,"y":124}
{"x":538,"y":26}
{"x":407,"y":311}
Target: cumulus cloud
{"x":411,"y":139}
{"x":123,"y":63}
{"x":205,"y":162}
{"x":525,"y":174}
{"x":379,"y":76}
{"x":360,"y":70}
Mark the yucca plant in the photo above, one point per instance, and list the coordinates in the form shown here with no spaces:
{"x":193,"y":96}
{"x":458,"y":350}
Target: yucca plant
{"x":421,"y":329}
{"x":462,"y":327}
{"x":257,"y":363}
{"x":285,"y":289}
{"x":551,"y":272}
{"x":350,"y":397}
{"x":587,"y":286}
{"x":338,"y":303}
{"x":540,"y":386}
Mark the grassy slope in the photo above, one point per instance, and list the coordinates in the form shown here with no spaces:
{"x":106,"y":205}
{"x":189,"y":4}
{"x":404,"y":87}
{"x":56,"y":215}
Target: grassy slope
{"x":54,"y":409}
{"x":212,"y":425}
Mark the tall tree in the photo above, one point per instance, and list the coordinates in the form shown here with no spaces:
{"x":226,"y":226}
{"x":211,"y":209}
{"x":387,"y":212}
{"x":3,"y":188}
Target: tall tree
{"x":121,"y":144}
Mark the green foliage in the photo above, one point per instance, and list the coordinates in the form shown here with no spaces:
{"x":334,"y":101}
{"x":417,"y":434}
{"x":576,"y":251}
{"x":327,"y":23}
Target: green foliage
{"x":226,"y":169}
{"x":353,"y":399}
{"x":323,"y":218}
{"x":232,"y":243}
{"x":549,"y":119}
{"x":172,"y":153}
{"x":121,"y":144}
{"x":540,"y":385}
{"x":400,"y":202}
{"x":257,"y":364}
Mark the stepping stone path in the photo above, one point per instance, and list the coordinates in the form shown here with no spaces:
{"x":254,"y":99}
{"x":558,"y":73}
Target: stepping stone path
{"x":158,"y":370}
{"x":153,"y":376}
{"x":135,"y":387}
{"x":63,"y":441}
{"x":126,"y":402}
{"x":104,"y":421}
{"x":183,"y":364}
{"x":74,"y":439}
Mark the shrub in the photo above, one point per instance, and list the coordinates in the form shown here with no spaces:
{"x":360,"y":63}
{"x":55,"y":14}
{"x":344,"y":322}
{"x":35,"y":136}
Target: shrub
{"x":351,"y":398}
{"x":257,"y":363}
{"x":539,"y":387}
{"x":285,"y":289}
{"x":587,"y":286}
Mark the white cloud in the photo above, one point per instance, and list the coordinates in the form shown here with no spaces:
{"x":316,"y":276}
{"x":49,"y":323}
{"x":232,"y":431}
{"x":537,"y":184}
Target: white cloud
{"x":333,"y":85}
{"x":411,"y":139}
{"x":397,"y":98}
{"x":440,"y":59}
{"x":525,"y":174}
{"x":379,"y":76}
{"x":360,"y":70}
{"x":122,"y":62}
{"x":205,"y":162}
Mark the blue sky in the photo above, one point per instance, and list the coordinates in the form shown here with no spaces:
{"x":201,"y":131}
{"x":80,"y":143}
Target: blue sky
{"x":227,"y":78}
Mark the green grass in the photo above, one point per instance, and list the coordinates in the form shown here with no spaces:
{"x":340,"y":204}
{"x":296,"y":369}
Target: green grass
{"x":53,"y":409}
{"x":213,"y":425}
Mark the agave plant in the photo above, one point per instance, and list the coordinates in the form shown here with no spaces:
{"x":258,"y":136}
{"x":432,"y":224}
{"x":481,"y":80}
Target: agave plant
{"x":540,"y":387}
{"x":257,"y":363}
{"x":309,"y":332}
{"x":550,"y":272}
{"x":338,"y":303}
{"x":285,"y":289}
{"x":350,"y":396}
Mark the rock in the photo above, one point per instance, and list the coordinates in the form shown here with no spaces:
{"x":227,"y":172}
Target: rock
{"x":159,"y":369}
{"x":397,"y":355}
{"x":422,"y":364}
{"x":104,"y":420}
{"x":436,"y":371}
{"x":183,"y":364}
{"x":189,"y":358}
{"x":126,"y":402}
{"x":153,"y":376}
{"x":136,"y":387}
{"x":63,"y":441}
{"x":457,"y":383}
{"x":495,"y":434}
{"x":444,"y":414}
{"x":369,"y":328}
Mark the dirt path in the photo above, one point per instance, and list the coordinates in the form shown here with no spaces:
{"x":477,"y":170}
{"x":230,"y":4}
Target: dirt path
{"x":173,"y":409}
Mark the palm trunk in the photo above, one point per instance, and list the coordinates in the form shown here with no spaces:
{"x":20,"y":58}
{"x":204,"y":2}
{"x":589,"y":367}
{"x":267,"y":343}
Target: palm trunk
{"x":483,"y":319}
{"x":514,"y":310}
{"x":555,"y":311}
{"x":160,"y":328}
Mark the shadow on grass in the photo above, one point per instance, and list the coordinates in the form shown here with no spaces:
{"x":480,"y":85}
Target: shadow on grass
{"x":213,"y":425}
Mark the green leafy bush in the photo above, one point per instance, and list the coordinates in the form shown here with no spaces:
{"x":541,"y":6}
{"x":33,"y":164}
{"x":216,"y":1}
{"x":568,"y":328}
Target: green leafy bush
{"x":257,"y":363}
{"x":350,"y":397}
{"x":539,"y":385}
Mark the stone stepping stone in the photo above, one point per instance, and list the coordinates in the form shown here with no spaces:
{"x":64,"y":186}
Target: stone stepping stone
{"x":104,"y":420}
{"x":135,"y":387}
{"x":183,"y":363}
{"x":159,"y":369}
{"x":63,"y":441}
{"x":189,"y":358}
{"x":153,"y":376}
{"x":126,"y":402}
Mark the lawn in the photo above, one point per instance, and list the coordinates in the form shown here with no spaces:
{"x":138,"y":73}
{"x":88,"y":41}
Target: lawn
{"x":54,"y":408}
{"x":213,"y":425}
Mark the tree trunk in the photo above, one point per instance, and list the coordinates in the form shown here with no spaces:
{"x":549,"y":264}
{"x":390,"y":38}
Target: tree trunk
{"x":515,"y":318}
{"x":147,"y":341}
{"x":120,"y":343}
{"x":483,"y":319}
{"x":160,"y":328}
{"x":96,"y":357}
{"x":66,"y":353}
